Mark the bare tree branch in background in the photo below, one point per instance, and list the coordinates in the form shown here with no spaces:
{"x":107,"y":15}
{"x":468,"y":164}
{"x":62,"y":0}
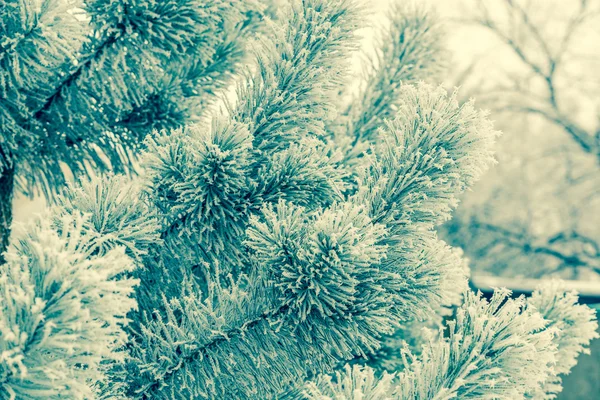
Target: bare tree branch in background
{"x":535,"y":216}
{"x":564,"y":251}
{"x":543,"y":63}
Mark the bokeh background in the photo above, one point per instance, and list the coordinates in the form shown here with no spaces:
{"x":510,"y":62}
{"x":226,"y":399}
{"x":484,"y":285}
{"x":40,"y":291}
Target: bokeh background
{"x":535,"y":64}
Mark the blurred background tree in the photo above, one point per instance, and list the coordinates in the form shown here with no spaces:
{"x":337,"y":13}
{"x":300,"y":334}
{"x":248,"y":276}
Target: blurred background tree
{"x":540,"y":77}
{"x":535,"y":64}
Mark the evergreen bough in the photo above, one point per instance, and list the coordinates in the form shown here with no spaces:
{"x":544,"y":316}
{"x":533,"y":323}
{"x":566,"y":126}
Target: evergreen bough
{"x":284,"y":245}
{"x":82,"y":83}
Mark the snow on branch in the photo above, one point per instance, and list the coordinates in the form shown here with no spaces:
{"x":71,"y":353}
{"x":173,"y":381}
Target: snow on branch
{"x":62,"y":313}
{"x":502,"y":348}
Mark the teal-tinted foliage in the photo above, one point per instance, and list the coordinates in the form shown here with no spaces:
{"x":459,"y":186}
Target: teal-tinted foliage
{"x":290,"y":240}
{"x":501,"y":349}
{"x":81,"y":84}
{"x":63,"y":308}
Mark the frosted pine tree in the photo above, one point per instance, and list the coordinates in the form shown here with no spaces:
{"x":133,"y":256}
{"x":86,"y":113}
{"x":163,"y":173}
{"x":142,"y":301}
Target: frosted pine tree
{"x":82,"y":83}
{"x":286,"y":243}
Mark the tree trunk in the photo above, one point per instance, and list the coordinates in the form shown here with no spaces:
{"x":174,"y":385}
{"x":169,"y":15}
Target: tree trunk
{"x":7,"y":183}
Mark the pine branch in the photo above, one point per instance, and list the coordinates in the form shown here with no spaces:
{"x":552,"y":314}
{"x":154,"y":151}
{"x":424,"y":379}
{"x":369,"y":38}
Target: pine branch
{"x":284,"y":100}
{"x":78,"y":106}
{"x":290,"y":95}
{"x":497,"y":350}
{"x":494,"y":350}
{"x":576,"y":325}
{"x":313,"y":295}
{"x":188,"y":88}
{"x":62,"y":313}
{"x":317,"y":304}
{"x":409,"y":51}
{"x":433,"y":151}
{"x":33,"y":55}
{"x":130,"y":43}
{"x":501,"y":349}
{"x":117,"y":216}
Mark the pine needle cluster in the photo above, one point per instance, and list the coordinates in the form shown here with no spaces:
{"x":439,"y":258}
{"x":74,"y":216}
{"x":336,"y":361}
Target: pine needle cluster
{"x":279,"y":248}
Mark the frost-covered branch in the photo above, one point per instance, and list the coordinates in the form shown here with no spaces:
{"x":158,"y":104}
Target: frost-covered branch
{"x":495,"y":350}
{"x":409,"y":51}
{"x":434,"y":150}
{"x":314,"y":295}
{"x":266,"y":147}
{"x":116,"y":215}
{"x":313,"y":285}
{"x":67,"y":70}
{"x":576,"y":325}
{"x":501,"y":349}
{"x":62,"y":312}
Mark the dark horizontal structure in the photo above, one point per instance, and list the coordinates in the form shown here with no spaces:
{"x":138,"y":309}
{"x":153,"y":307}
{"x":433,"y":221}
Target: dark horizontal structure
{"x":589,"y":292}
